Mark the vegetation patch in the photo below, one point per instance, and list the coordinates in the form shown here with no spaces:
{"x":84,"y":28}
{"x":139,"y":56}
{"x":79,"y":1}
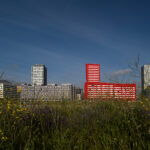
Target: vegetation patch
{"x":73,"y":125}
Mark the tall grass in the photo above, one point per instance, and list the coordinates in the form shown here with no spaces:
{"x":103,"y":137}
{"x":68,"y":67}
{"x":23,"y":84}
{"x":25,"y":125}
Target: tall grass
{"x":75,"y":125}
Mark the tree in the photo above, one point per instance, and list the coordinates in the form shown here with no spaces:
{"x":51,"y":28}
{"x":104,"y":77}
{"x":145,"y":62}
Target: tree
{"x":135,"y":68}
{"x":1,"y":75}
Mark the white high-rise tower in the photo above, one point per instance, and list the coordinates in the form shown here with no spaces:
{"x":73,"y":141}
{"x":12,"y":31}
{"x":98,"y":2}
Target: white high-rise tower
{"x":38,"y":75}
{"x":145,"y":76}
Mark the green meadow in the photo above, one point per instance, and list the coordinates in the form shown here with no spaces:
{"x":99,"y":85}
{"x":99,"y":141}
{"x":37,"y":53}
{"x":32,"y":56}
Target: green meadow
{"x":75,"y":125}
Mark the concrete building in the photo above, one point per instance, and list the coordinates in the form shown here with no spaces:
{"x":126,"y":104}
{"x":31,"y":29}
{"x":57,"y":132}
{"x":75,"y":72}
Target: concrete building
{"x":145,"y":79}
{"x":145,"y":76}
{"x":79,"y":93}
{"x":50,"y":92}
{"x":39,"y":89}
{"x":7,"y":90}
{"x":38,"y":75}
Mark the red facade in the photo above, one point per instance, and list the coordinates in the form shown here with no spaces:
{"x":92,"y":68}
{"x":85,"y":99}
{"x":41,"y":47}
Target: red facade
{"x":110,"y":90}
{"x":95,"y":89}
{"x":92,"y":72}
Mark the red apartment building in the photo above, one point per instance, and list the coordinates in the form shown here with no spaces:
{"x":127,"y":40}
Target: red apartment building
{"x":95,"y":89}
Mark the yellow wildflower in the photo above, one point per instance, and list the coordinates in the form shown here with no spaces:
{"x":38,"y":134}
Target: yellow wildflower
{"x":1,"y":131}
{"x":4,"y":138}
{"x":17,"y":117}
{"x":8,"y":106}
{"x":9,"y":102}
{"x":141,"y":102}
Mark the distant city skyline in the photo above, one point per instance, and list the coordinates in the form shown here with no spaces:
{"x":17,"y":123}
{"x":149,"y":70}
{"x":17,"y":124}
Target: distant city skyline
{"x":65,"y":35}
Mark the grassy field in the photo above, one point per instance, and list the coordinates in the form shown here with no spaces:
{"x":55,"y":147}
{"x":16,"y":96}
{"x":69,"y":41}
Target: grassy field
{"x":75,"y":125}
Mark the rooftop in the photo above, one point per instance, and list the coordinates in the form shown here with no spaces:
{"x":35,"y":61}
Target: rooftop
{"x":38,"y":65}
{"x":5,"y":82}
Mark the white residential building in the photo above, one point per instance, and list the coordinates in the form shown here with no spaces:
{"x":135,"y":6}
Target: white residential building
{"x":145,"y":76}
{"x":38,"y":75}
{"x":51,"y":92}
{"x":7,"y":90}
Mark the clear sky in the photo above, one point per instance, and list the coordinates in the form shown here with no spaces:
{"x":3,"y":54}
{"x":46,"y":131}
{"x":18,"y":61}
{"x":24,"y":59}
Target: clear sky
{"x":66,"y":34}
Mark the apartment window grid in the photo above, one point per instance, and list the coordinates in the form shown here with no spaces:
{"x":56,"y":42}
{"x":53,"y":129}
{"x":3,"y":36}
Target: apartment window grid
{"x":39,"y":75}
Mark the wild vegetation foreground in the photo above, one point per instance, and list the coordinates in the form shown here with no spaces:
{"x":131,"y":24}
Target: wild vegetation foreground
{"x":75,"y":125}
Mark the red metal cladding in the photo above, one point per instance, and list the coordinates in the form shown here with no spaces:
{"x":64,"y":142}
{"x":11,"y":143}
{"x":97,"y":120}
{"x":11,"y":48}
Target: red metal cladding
{"x":95,"y":90}
{"x":92,"y":72}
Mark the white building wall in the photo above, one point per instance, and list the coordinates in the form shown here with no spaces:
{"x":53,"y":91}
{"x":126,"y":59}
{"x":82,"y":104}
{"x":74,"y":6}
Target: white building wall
{"x":49,"y":92}
{"x":38,"y":75}
{"x":145,"y":74}
{"x":7,"y":90}
{"x":1,"y":90}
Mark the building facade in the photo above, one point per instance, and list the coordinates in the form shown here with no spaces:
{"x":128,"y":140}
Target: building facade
{"x":7,"y":90}
{"x":145,"y":79}
{"x":95,"y":89}
{"x":38,"y":75}
{"x":93,"y":72}
{"x":145,"y":76}
{"x":103,"y":90}
{"x":50,"y":92}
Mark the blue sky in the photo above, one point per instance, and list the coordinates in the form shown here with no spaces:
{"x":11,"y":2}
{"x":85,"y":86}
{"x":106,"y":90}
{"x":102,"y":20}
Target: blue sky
{"x":66,"y":34}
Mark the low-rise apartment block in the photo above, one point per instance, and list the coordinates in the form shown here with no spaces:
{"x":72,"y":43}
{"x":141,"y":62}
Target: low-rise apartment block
{"x":51,"y":92}
{"x":7,"y":90}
